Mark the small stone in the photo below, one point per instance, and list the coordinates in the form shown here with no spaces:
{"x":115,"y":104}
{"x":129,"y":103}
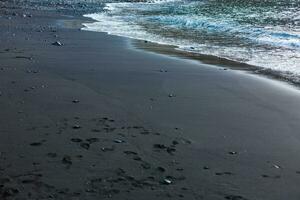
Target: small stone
{"x":161,"y":169}
{"x":130,"y":152}
{"x":159,"y":146}
{"x":75,"y":101}
{"x":167,"y":181}
{"x":118,"y":141}
{"x":170,"y":95}
{"x":67,"y":160}
{"x":85,"y":145}
{"x":8,"y":192}
{"x":92,"y":140}
{"x":76,"y":126}
{"x":76,"y":140}
{"x":206,"y":167}
{"x":57,"y":43}
{"x":276,"y":166}
{"x":232,"y":152}
{"x":36,"y":144}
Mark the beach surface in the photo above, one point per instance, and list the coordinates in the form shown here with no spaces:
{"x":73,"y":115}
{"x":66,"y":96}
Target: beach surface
{"x":97,"y":118}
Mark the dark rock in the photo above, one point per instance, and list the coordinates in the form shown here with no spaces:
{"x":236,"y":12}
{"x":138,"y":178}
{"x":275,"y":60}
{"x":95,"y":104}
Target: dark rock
{"x":118,"y":141}
{"x":85,"y":145}
{"x":76,"y":126}
{"x":159,"y":146}
{"x":206,"y":168}
{"x":57,"y":43}
{"x":166,"y":181}
{"x":36,"y":144}
{"x":146,"y":165}
{"x":92,"y":140}
{"x":8,"y":192}
{"x":105,"y":149}
{"x":161,"y":169}
{"x":67,"y":160}
{"x":235,"y":197}
{"x":76,"y":140}
{"x":130,"y":152}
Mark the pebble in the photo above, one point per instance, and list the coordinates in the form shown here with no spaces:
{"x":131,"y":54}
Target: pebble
{"x":85,"y":145}
{"x":167,"y":181}
{"x":67,"y":160}
{"x":57,"y":43}
{"x":76,"y":140}
{"x":76,"y":126}
{"x":118,"y":141}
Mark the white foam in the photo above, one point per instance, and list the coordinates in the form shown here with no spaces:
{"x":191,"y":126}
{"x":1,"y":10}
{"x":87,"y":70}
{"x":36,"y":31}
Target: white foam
{"x":283,"y":59}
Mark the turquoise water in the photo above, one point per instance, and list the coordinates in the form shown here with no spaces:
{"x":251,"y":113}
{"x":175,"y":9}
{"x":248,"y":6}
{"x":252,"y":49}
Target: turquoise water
{"x":261,"y":33}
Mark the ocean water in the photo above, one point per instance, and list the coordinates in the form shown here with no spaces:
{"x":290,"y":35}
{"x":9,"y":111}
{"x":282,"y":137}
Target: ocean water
{"x":264,"y":33}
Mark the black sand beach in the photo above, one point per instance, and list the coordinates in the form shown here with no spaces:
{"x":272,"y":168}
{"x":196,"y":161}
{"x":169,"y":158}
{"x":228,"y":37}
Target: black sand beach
{"x":97,"y":118}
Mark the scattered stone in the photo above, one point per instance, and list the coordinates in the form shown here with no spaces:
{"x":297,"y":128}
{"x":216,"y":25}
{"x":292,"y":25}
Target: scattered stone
{"x":170,"y":150}
{"x":75,"y":101}
{"x":161,"y":169}
{"x":146,"y":165}
{"x":36,"y":144}
{"x":235,"y":197}
{"x":206,"y":167}
{"x":130,"y":152}
{"x":137,"y":158}
{"x":76,"y":140}
{"x":57,"y":43}
{"x":92,"y":140}
{"x":232,"y":152}
{"x":85,"y":145}
{"x":67,"y":160}
{"x":276,"y":166}
{"x":8,"y":192}
{"x":118,"y":141}
{"x":76,"y":126}
{"x":167,"y":181}
{"x":159,"y":146}
{"x":25,"y":57}
{"x":163,"y":70}
{"x":105,"y":149}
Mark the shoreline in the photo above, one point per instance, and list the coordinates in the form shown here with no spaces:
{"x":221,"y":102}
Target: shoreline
{"x":212,"y":60}
{"x":95,"y":118}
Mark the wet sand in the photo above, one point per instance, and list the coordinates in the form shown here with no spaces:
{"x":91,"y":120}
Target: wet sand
{"x":96,"y":118}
